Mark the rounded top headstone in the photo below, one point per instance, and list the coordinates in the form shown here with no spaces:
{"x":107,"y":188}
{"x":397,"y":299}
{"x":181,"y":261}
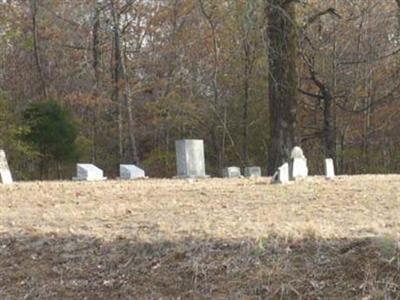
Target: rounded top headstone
{"x":297,"y":152}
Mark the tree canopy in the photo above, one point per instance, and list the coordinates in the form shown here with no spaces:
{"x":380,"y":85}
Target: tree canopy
{"x":250,"y":78}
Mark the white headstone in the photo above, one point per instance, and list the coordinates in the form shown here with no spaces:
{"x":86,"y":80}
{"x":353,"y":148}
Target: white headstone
{"x":231,"y":172}
{"x":252,"y":172}
{"x":329,"y":168}
{"x":5,"y":173}
{"x":128,"y":172}
{"x":89,"y":172}
{"x":299,"y":168}
{"x":298,"y":164}
{"x":190,"y":160}
{"x":282,"y":175}
{"x":297,"y":152}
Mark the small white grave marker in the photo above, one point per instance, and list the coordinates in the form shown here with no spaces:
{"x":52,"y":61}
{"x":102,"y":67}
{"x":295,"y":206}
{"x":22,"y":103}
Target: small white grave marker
{"x":282,"y":175}
{"x":128,"y":172}
{"x":252,"y":172}
{"x":329,"y":168}
{"x":88,"y":172}
{"x":5,"y":173}
{"x":231,"y":172}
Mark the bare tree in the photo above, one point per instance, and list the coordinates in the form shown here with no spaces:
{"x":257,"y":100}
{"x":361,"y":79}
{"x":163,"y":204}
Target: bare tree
{"x":283,"y":80}
{"x":35,"y":38}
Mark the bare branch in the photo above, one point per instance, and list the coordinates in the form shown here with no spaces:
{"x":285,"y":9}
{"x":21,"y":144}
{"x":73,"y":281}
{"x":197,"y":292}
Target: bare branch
{"x":309,"y":94}
{"x":313,"y":18}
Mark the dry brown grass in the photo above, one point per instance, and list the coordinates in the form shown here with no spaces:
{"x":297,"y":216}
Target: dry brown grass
{"x":235,"y":239}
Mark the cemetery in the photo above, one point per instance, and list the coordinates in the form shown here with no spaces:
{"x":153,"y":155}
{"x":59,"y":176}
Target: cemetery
{"x":199,"y":149}
{"x":180,"y":237}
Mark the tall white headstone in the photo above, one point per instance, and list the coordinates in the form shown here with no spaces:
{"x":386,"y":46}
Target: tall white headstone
{"x":282,"y":175}
{"x":231,"y":172}
{"x":89,"y":172}
{"x":190,"y":161}
{"x":297,"y":152}
{"x":299,"y":168}
{"x":5,"y":173}
{"x":298,"y":164}
{"x":329,"y":168}
{"x":128,"y":172}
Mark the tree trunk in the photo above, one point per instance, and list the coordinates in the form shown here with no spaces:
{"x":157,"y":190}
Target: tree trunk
{"x":283,"y":81}
{"x":95,"y":64}
{"x":246,"y":89}
{"x":36,"y":48}
{"x":129,"y":104}
{"x":117,"y":73}
{"x":398,"y":14}
{"x":329,"y":126}
{"x":329,"y":129}
{"x":131,"y":122}
{"x":215,"y":84}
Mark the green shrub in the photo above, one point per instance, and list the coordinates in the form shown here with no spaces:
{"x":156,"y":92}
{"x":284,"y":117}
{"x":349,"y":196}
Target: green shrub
{"x":51,"y":132}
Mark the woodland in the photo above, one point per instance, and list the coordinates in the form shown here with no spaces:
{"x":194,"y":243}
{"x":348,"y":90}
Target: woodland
{"x":252,"y":78}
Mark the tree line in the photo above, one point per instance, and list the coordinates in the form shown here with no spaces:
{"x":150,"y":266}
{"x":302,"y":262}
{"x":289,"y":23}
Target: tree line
{"x":252,"y":78}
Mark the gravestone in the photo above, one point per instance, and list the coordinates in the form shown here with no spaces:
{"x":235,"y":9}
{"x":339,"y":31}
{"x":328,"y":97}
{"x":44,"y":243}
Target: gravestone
{"x":5,"y":173}
{"x":299,"y":168}
{"x":282,"y":175}
{"x":190,"y":162}
{"x":298,"y":164}
{"x":297,"y":152}
{"x":329,"y":168}
{"x":231,"y":172}
{"x":88,"y":172}
{"x":252,"y":172}
{"x":128,"y":172}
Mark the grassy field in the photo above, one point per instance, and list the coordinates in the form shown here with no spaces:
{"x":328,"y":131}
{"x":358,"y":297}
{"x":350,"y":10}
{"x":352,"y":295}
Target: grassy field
{"x":215,"y":239}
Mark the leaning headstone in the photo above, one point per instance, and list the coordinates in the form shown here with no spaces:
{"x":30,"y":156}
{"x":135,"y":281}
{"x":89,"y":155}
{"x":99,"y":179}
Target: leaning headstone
{"x":282,"y":175}
{"x":298,"y":164}
{"x":252,"y":172}
{"x":190,"y":160}
{"x":231,"y":172}
{"x":88,"y":172}
{"x":5,"y":173}
{"x":329,"y":168}
{"x":128,"y":172}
